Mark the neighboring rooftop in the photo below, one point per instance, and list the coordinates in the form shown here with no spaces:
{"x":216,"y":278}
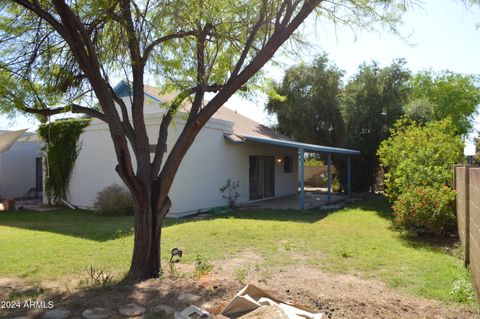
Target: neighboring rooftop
{"x":242,"y":125}
{"x":26,"y":137}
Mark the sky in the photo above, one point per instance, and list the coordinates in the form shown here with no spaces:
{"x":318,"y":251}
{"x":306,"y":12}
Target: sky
{"x":437,"y":35}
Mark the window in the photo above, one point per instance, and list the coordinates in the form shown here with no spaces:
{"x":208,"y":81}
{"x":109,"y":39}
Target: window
{"x":287,"y":164}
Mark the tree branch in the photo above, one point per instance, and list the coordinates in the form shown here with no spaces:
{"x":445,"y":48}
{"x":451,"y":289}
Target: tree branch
{"x":74,"y":108}
{"x":149,"y":48}
{"x":251,"y":38}
{"x":167,"y":119}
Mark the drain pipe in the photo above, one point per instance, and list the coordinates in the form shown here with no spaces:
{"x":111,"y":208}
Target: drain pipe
{"x":68,"y":204}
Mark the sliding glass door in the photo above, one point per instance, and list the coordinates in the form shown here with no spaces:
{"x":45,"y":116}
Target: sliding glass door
{"x":262,"y":177}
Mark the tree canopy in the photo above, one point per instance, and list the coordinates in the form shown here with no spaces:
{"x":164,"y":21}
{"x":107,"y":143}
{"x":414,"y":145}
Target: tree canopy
{"x":437,"y":96}
{"x":309,"y":107}
{"x":371,"y":103}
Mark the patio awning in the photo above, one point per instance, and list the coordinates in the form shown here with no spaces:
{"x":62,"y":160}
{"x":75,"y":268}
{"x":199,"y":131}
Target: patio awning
{"x":302,"y":148}
{"x":235,"y":138}
{"x":9,"y":138}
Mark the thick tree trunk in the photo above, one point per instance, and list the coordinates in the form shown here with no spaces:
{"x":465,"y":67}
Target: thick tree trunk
{"x":146,"y":249}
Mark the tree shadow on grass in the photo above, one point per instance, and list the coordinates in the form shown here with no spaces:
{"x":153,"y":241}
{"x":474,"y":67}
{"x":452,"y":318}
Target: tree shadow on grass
{"x":85,"y":224}
{"x":77,"y":223}
{"x":449,"y":244}
{"x":377,"y":203}
{"x":286,"y":215}
{"x":380,"y":205}
{"x":147,"y":294}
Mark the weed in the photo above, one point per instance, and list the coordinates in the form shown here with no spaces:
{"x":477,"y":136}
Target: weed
{"x":240,"y":274}
{"x":265,"y":276}
{"x":97,"y":278}
{"x":462,"y":291}
{"x":202,"y":267}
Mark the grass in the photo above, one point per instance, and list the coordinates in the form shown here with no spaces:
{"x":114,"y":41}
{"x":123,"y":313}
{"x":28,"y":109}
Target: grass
{"x":358,"y":239}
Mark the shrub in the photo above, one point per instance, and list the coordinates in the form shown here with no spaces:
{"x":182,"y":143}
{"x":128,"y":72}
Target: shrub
{"x":313,"y":161}
{"x":419,"y":156}
{"x":426,"y":207}
{"x":418,"y":173}
{"x":114,"y":200}
{"x":230,"y":193}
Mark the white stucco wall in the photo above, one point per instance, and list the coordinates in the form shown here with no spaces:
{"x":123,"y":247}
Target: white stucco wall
{"x":207,"y":166}
{"x":17,"y":169}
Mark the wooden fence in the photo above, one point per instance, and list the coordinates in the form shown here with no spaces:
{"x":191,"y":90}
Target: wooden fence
{"x":467,"y":185}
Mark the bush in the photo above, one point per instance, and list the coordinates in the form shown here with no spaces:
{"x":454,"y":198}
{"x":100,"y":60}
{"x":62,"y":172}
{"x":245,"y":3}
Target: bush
{"x":313,"y":161}
{"x":419,"y":156}
{"x":417,"y":161}
{"x":114,"y":200}
{"x":426,"y":207}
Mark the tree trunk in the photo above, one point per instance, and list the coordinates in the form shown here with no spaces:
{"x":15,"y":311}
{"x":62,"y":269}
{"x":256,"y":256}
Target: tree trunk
{"x":146,"y":249}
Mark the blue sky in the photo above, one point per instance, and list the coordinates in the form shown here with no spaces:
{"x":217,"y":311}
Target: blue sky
{"x":440,"y":35}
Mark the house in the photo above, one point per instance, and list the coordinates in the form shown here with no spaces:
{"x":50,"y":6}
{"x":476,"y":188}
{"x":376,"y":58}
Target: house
{"x":20,"y":165}
{"x":231,"y":147}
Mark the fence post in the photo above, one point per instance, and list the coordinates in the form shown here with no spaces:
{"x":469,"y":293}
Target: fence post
{"x":467,"y":217}
{"x":465,"y":199}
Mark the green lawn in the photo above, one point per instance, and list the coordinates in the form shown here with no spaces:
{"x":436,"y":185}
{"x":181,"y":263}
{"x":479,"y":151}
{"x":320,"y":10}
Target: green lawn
{"x":358,"y":239}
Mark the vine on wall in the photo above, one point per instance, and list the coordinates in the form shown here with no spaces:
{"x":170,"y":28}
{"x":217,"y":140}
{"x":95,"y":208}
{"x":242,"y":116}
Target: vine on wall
{"x":60,"y":151}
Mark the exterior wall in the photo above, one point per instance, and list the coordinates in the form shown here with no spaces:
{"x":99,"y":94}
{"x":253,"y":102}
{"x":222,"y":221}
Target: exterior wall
{"x":467,"y":185}
{"x":207,"y":166}
{"x":17,"y":169}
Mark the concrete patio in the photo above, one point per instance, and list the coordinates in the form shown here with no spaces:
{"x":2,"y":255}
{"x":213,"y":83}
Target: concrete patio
{"x":312,"y":200}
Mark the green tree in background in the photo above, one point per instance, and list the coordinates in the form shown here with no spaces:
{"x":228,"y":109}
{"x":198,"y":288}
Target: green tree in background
{"x":436,"y":96}
{"x":372,"y":101}
{"x":310,"y":108}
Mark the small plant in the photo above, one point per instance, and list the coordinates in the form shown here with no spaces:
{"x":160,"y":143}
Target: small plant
{"x":462,"y":291}
{"x":229,"y":192}
{"x":202,"y":267}
{"x":114,"y":200}
{"x":265,"y":275}
{"x":98,"y":279}
{"x":240,"y":274}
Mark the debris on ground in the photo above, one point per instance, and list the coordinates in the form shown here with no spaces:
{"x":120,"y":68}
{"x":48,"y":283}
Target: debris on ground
{"x":192,"y":312}
{"x":253,"y":302}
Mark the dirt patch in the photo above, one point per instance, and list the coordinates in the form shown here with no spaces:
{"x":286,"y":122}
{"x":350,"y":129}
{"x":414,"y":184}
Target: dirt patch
{"x":337,"y":295}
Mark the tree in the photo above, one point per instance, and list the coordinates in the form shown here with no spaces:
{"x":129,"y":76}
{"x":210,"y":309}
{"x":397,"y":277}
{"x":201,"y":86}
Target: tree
{"x":372,"y":101}
{"x":447,"y":94}
{"x":418,"y":172}
{"x":58,"y":56}
{"x":309,"y":109}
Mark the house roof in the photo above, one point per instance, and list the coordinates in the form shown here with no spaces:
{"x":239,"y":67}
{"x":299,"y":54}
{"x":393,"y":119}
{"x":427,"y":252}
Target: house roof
{"x":305,"y":146}
{"x":248,"y":130}
{"x":8,"y":138}
{"x":242,"y":125}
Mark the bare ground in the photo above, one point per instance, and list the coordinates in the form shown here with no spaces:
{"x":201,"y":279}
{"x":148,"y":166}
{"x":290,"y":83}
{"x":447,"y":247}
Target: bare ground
{"x":336,"y":295}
